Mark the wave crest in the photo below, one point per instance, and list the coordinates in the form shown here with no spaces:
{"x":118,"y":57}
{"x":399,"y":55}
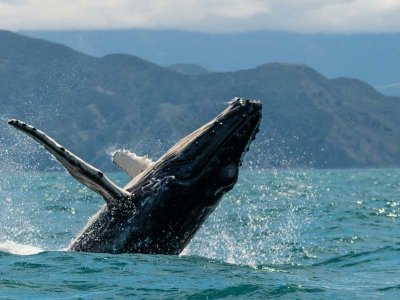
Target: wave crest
{"x":19,"y":249}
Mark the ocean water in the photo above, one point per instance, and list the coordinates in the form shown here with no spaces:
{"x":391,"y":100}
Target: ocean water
{"x":286,"y":234}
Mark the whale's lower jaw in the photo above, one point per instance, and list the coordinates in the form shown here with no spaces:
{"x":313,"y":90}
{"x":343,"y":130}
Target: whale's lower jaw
{"x":161,"y":209}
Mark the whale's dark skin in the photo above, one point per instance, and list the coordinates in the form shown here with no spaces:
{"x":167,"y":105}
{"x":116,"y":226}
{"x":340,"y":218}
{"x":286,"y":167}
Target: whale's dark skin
{"x":161,"y":209}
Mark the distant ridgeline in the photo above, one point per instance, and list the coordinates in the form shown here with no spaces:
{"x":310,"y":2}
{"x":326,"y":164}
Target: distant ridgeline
{"x":372,"y":58}
{"x":96,"y":105}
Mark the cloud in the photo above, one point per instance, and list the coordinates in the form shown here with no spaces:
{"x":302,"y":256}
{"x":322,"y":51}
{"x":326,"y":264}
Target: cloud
{"x":341,"y":16}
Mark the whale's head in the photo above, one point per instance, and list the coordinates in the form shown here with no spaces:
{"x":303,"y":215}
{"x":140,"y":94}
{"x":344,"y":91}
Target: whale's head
{"x":183,"y":187}
{"x":211,"y":155}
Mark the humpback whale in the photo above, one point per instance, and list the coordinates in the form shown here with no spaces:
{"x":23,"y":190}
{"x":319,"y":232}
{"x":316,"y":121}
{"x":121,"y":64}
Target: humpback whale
{"x":167,"y":201}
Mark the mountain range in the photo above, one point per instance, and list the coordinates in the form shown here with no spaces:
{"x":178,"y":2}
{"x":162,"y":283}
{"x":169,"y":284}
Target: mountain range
{"x":370,"y":57}
{"x":94,"y":105}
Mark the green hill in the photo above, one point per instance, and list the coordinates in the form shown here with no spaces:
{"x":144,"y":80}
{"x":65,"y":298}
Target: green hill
{"x":95,"y":105}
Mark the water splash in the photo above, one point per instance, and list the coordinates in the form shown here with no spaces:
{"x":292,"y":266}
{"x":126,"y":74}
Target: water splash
{"x":19,"y":249}
{"x":242,"y":232}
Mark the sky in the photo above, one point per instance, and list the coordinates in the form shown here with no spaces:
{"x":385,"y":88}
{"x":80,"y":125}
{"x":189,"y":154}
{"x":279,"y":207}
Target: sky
{"x":308,"y":16}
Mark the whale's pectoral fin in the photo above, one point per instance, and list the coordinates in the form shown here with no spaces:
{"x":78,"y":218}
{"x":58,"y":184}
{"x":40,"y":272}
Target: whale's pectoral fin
{"x":79,"y":169}
{"x":130,"y":162}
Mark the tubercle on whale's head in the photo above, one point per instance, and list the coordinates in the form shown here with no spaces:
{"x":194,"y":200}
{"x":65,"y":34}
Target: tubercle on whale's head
{"x":212,"y":154}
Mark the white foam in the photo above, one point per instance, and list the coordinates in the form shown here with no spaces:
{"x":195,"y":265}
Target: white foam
{"x":19,"y":249}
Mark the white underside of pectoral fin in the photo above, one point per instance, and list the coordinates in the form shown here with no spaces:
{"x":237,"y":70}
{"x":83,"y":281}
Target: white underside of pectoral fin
{"x":131,"y":163}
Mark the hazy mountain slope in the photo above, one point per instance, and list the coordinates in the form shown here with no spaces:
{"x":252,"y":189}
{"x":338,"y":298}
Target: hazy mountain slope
{"x":189,"y":69}
{"x":94,"y":105}
{"x":370,"y":57}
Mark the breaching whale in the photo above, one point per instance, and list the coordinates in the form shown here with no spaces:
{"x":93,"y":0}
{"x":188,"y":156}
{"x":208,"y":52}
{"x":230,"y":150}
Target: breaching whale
{"x":167,"y":201}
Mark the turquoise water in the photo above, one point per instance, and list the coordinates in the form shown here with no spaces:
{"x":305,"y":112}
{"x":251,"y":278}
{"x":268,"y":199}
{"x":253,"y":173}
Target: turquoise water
{"x":288,"y":234}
